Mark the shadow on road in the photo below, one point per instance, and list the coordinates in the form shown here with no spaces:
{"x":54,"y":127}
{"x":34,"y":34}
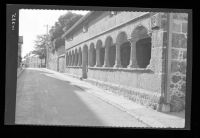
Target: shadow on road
{"x":51,"y":101}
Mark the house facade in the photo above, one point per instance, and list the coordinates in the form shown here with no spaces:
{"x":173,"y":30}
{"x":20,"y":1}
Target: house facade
{"x":56,"y":59}
{"x":33,"y":61}
{"x":140,"y":55}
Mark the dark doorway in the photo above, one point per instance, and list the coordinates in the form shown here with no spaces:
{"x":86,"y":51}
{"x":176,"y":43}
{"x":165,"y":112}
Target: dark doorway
{"x":112,"y":54}
{"x":85,"y":62}
{"x":94,"y":57}
{"x":143,"y":52}
{"x":80,"y":55}
{"x":125,"y":50}
{"x":102,"y":55}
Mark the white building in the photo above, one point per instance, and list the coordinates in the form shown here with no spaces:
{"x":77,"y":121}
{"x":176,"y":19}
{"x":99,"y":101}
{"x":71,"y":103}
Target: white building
{"x":33,"y":61}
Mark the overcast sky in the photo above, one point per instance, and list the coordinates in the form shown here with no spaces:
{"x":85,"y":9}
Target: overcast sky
{"x":32,"y":23}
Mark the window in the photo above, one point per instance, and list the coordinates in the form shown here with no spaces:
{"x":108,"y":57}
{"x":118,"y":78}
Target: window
{"x":85,"y":29}
{"x":113,"y":13}
{"x":70,"y":38}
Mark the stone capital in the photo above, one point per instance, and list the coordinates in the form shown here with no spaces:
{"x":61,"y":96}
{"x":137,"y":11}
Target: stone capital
{"x":133,"y":39}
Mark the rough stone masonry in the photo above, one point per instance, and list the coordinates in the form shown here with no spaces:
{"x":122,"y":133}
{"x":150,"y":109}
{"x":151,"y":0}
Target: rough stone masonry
{"x":121,"y":51}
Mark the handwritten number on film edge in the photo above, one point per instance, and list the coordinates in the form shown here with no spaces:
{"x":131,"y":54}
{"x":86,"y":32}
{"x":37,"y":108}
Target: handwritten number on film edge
{"x":13,"y":21}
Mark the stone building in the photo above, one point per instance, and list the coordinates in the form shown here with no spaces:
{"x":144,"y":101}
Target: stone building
{"x":33,"y":61}
{"x":56,"y":58}
{"x":140,"y":55}
{"x":52,"y":61}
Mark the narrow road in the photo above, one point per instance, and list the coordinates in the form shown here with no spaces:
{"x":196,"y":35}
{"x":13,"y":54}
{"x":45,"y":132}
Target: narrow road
{"x":45,"y":99}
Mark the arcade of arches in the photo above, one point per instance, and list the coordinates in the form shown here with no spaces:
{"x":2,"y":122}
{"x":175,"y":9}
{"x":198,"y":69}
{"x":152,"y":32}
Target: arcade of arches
{"x":125,"y":53}
{"x":134,"y":58}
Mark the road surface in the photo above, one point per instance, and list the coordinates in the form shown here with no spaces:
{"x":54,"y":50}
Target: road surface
{"x":44,"y":99}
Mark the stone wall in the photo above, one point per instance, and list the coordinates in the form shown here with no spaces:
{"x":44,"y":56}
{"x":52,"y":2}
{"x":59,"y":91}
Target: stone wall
{"x":151,"y":79}
{"x":52,"y":61}
{"x":61,"y":64}
{"x":139,"y":85}
{"x":178,"y":62}
{"x":75,"y":71}
{"x":138,"y":78}
{"x":140,"y":96}
{"x":60,"y":50}
{"x":133,"y":79}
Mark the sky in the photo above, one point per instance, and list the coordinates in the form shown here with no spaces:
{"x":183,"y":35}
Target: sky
{"x":33,"y":23}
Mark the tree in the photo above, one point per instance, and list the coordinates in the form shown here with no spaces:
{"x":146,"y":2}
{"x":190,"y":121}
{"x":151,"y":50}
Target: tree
{"x":68,"y":20}
{"x":63,"y":24}
{"x":41,"y":44}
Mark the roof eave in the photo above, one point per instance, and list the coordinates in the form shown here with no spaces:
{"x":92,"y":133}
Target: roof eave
{"x":77,"y":23}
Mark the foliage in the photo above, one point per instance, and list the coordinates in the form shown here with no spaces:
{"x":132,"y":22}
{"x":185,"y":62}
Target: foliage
{"x":40,"y":46}
{"x":62,"y":25}
{"x":68,"y":20}
{"x":59,"y":42}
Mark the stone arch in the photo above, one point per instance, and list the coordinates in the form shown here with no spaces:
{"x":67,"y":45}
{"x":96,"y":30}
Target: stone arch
{"x":143,"y":46}
{"x":66,"y":58}
{"x":80,"y":57}
{"x":108,"y":41}
{"x":143,"y":52}
{"x":110,"y":51}
{"x":99,"y":44}
{"x":76,"y":58}
{"x":85,"y":55}
{"x":139,"y":32}
{"x":73,"y":57}
{"x":84,"y":61}
{"x":70,"y":58}
{"x":121,"y":38}
{"x":92,"y":55}
{"x":99,"y":53}
{"x":124,"y":48}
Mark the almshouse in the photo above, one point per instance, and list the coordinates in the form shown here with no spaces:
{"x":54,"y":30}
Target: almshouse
{"x":140,"y":55}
